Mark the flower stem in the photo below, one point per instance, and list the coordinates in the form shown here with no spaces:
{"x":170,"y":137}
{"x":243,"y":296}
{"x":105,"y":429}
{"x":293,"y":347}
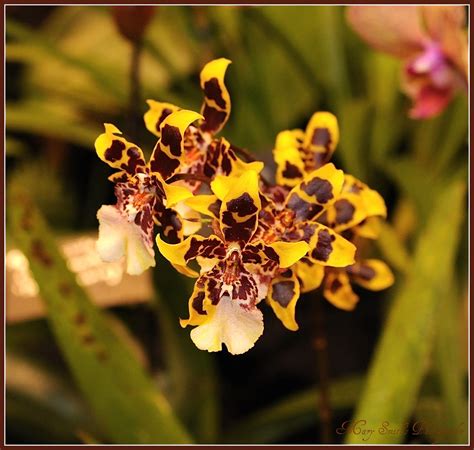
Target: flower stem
{"x":135,"y":91}
{"x":321,"y":346}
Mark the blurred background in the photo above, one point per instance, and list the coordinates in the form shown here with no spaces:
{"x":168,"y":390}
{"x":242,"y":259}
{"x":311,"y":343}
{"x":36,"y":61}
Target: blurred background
{"x":68,"y":71}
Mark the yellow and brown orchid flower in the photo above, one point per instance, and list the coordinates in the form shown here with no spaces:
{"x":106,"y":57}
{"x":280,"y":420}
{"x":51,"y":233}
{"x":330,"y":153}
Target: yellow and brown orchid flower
{"x":143,"y":196}
{"x":298,"y":219}
{"x":432,"y":43}
{"x":299,"y":152}
{"x":236,"y":266}
{"x":203,"y":153}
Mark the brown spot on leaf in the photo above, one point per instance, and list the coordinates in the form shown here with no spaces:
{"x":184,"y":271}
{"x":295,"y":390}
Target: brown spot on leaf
{"x":39,"y":252}
{"x":65,"y":289}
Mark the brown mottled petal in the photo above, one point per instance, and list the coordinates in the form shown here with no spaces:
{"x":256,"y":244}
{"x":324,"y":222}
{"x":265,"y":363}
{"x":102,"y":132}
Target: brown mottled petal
{"x":170,"y":223}
{"x":373,"y":202}
{"x":192,"y":247}
{"x":338,"y":290}
{"x":371,"y":274}
{"x":392,"y":29}
{"x":156,"y":114}
{"x":309,"y":198}
{"x":216,"y":106}
{"x":290,"y":164}
{"x":309,"y":273}
{"x":368,"y":228}
{"x":321,"y":139}
{"x":329,"y":248}
{"x":346,"y":212}
{"x":283,"y":294}
{"x":117,"y":152}
{"x":168,"y":152}
{"x":197,"y":305}
{"x":240,"y":208}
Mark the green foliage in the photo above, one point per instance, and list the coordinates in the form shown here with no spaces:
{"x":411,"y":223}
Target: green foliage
{"x":125,"y":402}
{"x":403,"y":354}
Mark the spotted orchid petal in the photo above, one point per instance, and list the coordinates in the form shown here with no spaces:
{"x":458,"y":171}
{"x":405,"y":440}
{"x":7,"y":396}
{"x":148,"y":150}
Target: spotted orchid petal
{"x":338,"y":291}
{"x":283,"y":294}
{"x":346,"y":212}
{"x":309,"y":273}
{"x":240,"y":208}
{"x":313,"y":194}
{"x":373,"y":202}
{"x":118,"y":237}
{"x":197,"y":313}
{"x":287,"y":253}
{"x":222,"y":160}
{"x":192,"y":247}
{"x":288,"y":157}
{"x":168,"y":152}
{"x":118,"y":153}
{"x":328,"y":247}
{"x":371,"y":274}
{"x":216,"y":106}
{"x":209,"y":205}
{"x":156,"y":114}
{"x":321,"y":139}
{"x":369,"y":228}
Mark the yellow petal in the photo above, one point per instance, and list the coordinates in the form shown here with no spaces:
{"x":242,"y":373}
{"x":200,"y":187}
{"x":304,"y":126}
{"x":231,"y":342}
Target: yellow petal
{"x":289,"y":252}
{"x":240,"y":208}
{"x":190,"y":248}
{"x":216,"y":106}
{"x":329,"y":248}
{"x":157,"y":112}
{"x":175,"y":194}
{"x":309,"y":273}
{"x":208,"y":205}
{"x":117,"y":152}
{"x":322,"y":137}
{"x":288,"y":158}
{"x":196,"y":307}
{"x":168,"y":152}
{"x":371,"y":274}
{"x":338,"y":291}
{"x":318,"y":189}
{"x":283,"y":294}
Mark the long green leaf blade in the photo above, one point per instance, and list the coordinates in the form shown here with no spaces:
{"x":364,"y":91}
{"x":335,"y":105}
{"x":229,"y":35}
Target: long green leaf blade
{"x":123,"y":397}
{"x":402,"y":356}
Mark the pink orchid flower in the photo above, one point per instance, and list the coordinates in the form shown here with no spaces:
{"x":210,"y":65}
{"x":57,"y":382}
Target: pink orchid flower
{"x":432,"y":43}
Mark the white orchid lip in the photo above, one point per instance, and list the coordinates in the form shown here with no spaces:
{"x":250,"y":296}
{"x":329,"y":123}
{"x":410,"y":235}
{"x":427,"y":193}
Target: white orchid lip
{"x":118,"y":237}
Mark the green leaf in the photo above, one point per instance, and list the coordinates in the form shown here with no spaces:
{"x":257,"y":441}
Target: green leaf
{"x":392,"y":249}
{"x":192,"y":373}
{"x":126,"y":404}
{"x":449,"y":366}
{"x":51,"y":118}
{"x":293,"y":413}
{"x":402,"y":355}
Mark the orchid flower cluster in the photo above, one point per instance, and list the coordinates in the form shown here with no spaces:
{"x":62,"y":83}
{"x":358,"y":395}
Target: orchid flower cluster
{"x":220,"y":221}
